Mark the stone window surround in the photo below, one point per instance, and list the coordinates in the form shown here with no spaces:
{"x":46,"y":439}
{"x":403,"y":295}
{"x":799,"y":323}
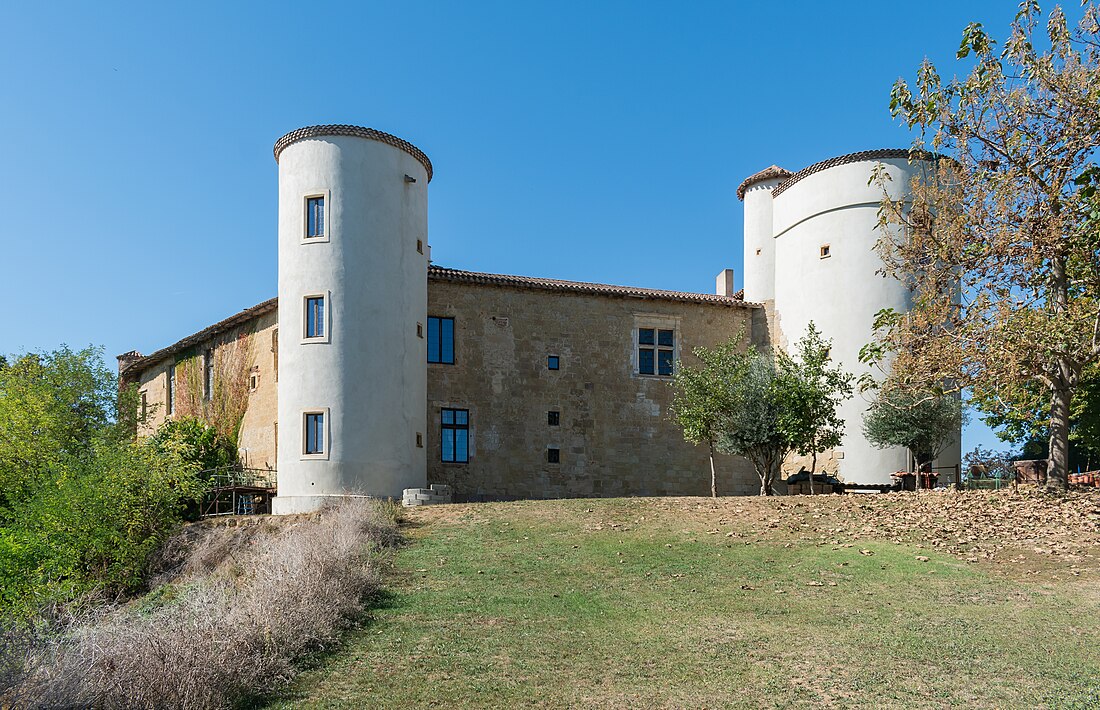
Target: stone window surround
{"x":657,"y":321}
{"x":326,"y":434}
{"x":326,"y":195}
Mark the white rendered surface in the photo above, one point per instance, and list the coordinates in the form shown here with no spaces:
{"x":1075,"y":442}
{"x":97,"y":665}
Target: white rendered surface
{"x":370,"y":375}
{"x":759,"y":237}
{"x":840,"y":293}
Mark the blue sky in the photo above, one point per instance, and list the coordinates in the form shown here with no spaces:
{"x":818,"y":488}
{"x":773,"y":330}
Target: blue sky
{"x":589,"y":141}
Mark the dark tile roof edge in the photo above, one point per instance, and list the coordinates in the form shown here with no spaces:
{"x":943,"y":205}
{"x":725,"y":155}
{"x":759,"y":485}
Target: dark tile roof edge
{"x":439,"y":273}
{"x":343,"y":129}
{"x":863,"y":155}
{"x":768,"y":173}
{"x":201,"y":336}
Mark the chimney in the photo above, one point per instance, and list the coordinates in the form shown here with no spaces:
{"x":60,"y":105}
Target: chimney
{"x":723,"y":284}
{"x":127,"y":359}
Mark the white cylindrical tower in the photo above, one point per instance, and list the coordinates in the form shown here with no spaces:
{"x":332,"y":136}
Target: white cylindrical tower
{"x":759,"y":242}
{"x":825,"y":221}
{"x":353,"y":218}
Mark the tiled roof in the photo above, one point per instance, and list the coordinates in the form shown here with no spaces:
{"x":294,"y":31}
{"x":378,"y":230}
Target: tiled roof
{"x":341,"y":129}
{"x":438,"y":273}
{"x":880,"y":154}
{"x":202,"y":336}
{"x":768,"y":173}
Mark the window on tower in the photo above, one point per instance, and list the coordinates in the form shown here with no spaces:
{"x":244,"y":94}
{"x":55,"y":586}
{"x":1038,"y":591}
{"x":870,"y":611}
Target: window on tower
{"x":315,"y":318}
{"x":315,"y":217}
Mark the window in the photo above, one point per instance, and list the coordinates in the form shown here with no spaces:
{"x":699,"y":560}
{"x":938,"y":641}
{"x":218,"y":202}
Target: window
{"x":455,"y":430}
{"x":419,"y":440}
{"x":553,"y":418}
{"x":275,"y":353}
{"x":825,"y":251}
{"x":552,"y":362}
{"x":420,"y":330}
{"x":208,"y":375}
{"x":441,"y":340}
{"x":315,"y":324}
{"x":253,"y":382}
{"x":553,"y":455}
{"x":420,"y":246}
{"x":170,"y":404}
{"x":144,"y":405}
{"x":656,"y":351}
{"x":315,"y":217}
{"x":314,"y":434}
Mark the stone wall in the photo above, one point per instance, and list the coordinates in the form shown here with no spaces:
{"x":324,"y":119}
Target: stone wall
{"x":614,"y":437}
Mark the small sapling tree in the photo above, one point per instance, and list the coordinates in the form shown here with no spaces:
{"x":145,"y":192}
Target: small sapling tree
{"x":810,"y":390}
{"x":924,"y":423}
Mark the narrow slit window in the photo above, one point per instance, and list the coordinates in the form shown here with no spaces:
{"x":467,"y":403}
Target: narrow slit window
{"x":315,"y":316}
{"x":208,"y":375}
{"x":315,"y":217}
{"x":170,"y":404}
{"x":315,"y":433}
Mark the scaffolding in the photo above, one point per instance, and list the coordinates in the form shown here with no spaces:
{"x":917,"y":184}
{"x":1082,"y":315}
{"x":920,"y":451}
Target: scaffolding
{"x":235,"y":490}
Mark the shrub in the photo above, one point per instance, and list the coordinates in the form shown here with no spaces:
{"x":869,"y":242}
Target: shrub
{"x":229,"y":625}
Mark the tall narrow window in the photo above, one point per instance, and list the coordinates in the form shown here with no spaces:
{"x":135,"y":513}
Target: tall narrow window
{"x":170,"y":404}
{"x":656,"y":351}
{"x":275,"y":353}
{"x":315,"y":316}
{"x":208,"y":375}
{"x":315,"y":217}
{"x":315,"y":433}
{"x":441,"y":340}
{"x":455,"y":435}
{"x":144,"y":405}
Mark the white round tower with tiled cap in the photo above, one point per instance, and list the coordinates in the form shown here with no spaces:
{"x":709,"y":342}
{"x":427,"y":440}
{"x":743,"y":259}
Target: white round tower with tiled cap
{"x":353,"y":217}
{"x":821,"y":226}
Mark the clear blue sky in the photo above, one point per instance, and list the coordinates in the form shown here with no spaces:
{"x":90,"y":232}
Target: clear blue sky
{"x":588,"y":141}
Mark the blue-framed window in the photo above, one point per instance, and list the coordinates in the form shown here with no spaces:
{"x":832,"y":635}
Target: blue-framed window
{"x":656,"y":350}
{"x":553,"y":362}
{"x":315,"y":433}
{"x":315,"y":316}
{"x":455,"y":435}
{"x":441,"y":340}
{"x":315,"y":217}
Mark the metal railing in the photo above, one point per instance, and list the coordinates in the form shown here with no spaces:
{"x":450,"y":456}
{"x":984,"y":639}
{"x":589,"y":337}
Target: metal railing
{"x":236,"y":490}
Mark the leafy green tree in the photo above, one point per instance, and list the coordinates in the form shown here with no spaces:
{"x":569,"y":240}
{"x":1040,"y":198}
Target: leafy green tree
{"x":194,"y":442}
{"x":1000,"y":241}
{"x":82,"y":505}
{"x":810,"y":390}
{"x":706,"y":395}
{"x":746,"y":403}
{"x":923,"y":423}
{"x":52,"y":406}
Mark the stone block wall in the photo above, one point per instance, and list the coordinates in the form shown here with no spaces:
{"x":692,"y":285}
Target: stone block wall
{"x":614,"y":436}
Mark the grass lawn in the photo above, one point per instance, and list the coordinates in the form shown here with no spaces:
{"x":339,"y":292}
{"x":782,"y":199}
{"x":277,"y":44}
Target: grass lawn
{"x":908,"y":600}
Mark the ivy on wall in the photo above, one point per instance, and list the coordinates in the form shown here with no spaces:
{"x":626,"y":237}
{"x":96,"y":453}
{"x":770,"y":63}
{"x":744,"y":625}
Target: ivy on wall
{"x":224,"y":409}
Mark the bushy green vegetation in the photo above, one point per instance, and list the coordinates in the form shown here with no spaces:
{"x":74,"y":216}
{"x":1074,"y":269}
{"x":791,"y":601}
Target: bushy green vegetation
{"x":82,"y":505}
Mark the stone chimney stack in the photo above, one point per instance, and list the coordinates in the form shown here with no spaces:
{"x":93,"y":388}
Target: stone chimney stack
{"x":723,"y":284}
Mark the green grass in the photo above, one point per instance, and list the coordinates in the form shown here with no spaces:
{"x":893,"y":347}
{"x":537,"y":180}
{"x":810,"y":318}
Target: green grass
{"x":639,"y":603}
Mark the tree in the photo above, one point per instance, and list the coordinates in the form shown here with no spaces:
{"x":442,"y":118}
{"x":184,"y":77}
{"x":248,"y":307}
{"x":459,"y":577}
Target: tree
{"x":751,"y":404}
{"x":810,"y":392}
{"x":1000,"y":241}
{"x":923,"y":423}
{"x":704,"y":397}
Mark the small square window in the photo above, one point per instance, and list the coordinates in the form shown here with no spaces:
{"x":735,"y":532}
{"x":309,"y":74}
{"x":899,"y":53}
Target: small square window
{"x":758,"y":252}
{"x":419,"y":440}
{"x":552,"y":362}
{"x":253,"y":382}
{"x":420,"y":330}
{"x":553,"y":455}
{"x":315,"y":217}
{"x":420,"y":246}
{"x":553,"y":418}
{"x":825,"y":251}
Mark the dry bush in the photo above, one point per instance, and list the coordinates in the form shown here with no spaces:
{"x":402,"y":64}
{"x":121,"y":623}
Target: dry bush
{"x":230,"y":626}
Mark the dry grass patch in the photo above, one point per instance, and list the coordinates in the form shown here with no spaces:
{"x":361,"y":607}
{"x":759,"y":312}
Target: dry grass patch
{"x":235,"y":609}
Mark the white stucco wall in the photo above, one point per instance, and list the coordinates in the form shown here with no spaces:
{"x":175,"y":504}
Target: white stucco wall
{"x":370,"y":375}
{"x":840,"y":293}
{"x":759,"y":237}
